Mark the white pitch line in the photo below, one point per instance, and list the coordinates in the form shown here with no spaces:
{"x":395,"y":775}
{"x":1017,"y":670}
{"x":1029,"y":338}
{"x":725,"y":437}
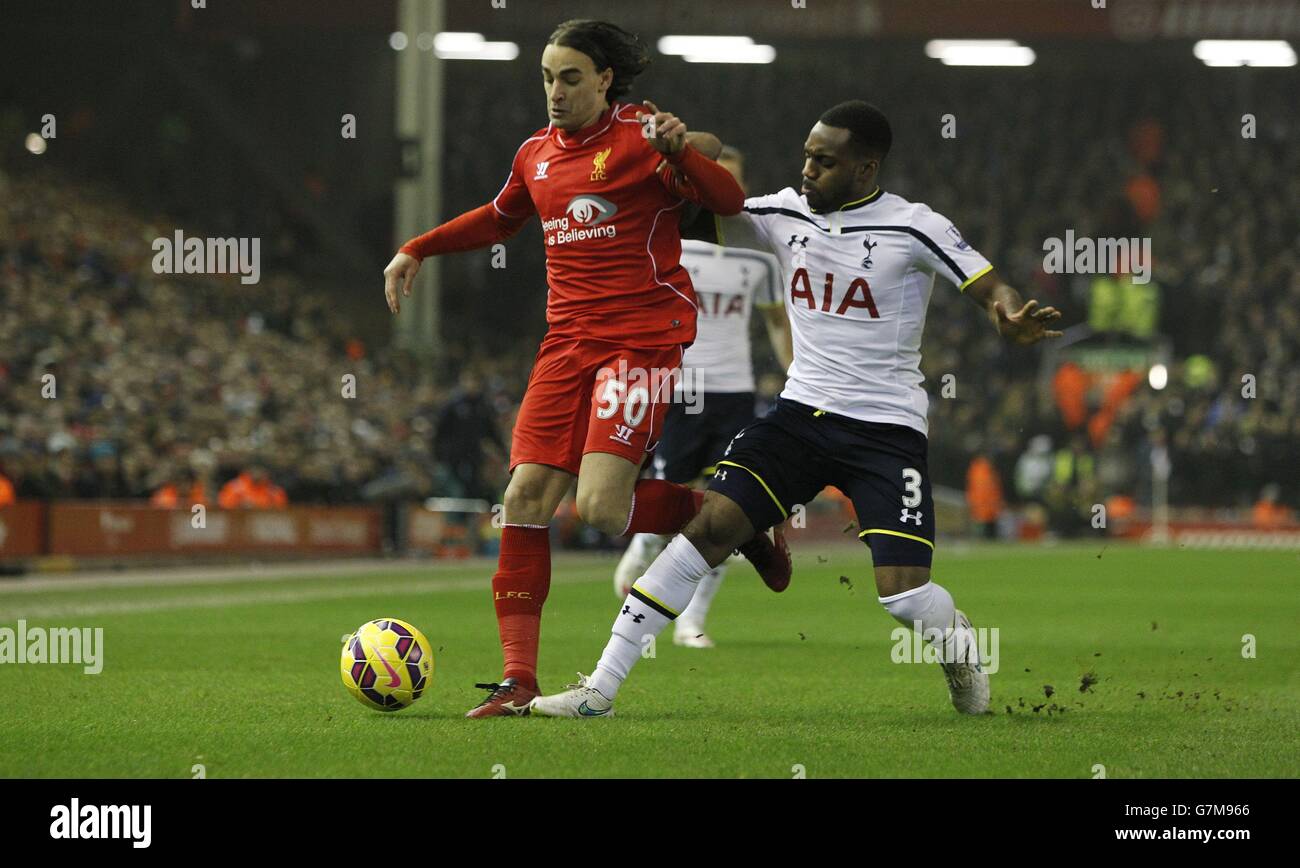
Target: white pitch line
{"x":199,"y":573}
{"x":255,"y":572}
{"x":260,"y":597}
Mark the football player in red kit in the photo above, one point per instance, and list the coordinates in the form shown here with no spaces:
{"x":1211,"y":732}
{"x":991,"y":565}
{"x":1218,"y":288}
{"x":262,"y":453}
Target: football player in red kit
{"x":620,"y":311}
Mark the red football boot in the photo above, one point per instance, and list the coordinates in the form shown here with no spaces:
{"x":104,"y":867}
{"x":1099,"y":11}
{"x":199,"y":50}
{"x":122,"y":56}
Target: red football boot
{"x":771,"y":557}
{"x":507,"y":699}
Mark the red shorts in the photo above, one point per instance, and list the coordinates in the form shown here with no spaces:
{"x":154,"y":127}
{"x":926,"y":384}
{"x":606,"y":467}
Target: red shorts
{"x":588,"y":395}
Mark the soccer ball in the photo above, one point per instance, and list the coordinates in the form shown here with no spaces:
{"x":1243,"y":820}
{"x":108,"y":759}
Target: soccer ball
{"x":386,"y":664}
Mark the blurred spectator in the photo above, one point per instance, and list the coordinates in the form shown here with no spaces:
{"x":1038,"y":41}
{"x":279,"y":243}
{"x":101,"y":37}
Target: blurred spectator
{"x":983,"y":496}
{"x":1070,"y":386}
{"x":1034,"y":468}
{"x":464,"y":426}
{"x":252,"y":489}
{"x":6,"y":491}
{"x":182,"y":491}
{"x":1268,"y":513}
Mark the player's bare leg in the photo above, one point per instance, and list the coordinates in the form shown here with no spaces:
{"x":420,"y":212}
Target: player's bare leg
{"x":914,"y":600}
{"x":656,"y":599}
{"x":521,"y":583}
{"x":606,"y":491}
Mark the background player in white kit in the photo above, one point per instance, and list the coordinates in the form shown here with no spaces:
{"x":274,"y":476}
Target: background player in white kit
{"x":730,"y":283}
{"x":859,"y":265}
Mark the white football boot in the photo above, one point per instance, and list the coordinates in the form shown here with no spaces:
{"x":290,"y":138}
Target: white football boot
{"x":578,"y":700}
{"x":691,"y":636}
{"x":968,"y":683}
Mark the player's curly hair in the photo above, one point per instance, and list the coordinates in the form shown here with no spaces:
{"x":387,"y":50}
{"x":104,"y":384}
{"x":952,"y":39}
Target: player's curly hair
{"x":609,"y":47}
{"x":869,"y":131}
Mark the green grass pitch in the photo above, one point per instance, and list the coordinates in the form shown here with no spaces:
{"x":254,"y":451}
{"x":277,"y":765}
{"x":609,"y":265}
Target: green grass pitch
{"x":241,"y":677}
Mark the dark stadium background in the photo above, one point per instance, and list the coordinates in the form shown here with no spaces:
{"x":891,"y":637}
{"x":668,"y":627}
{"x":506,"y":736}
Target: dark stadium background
{"x":225,"y":122}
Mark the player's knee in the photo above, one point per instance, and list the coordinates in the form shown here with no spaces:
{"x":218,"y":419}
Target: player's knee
{"x":605,"y":511}
{"x":525,"y":502}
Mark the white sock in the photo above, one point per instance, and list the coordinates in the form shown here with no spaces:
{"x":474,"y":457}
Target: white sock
{"x":930,"y":610}
{"x":657,"y":598}
{"x":698,"y":611}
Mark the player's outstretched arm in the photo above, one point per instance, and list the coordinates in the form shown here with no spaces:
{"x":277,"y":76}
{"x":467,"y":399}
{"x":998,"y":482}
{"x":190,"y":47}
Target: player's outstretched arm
{"x":1020,"y":322}
{"x":478,"y":228}
{"x":706,"y":143}
{"x":693,"y":175}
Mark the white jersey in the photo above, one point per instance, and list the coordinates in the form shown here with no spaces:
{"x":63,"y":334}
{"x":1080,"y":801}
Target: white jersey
{"x":728,"y":283}
{"x":858,"y":281}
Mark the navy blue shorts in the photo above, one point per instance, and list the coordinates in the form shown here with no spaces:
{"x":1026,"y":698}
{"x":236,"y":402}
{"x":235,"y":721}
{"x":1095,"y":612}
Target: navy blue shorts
{"x":788,"y":456}
{"x":691,"y":442}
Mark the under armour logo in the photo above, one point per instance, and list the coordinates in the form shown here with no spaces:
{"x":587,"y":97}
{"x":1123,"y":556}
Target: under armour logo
{"x":637,"y":617}
{"x":909,"y":516}
{"x":720,"y":474}
{"x":795,"y":239}
{"x":541,"y":170}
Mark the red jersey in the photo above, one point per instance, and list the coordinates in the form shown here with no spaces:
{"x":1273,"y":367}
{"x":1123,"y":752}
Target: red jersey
{"x":610,"y":215}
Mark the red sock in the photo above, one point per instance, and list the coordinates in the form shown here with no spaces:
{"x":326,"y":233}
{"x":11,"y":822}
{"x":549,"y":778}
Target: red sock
{"x":519,"y":589}
{"x":660,"y":506}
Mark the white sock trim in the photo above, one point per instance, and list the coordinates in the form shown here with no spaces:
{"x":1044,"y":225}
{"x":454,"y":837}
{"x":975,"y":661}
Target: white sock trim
{"x":903,"y":596}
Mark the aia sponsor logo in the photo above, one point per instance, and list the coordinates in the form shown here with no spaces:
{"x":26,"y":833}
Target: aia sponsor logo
{"x":858,"y":295}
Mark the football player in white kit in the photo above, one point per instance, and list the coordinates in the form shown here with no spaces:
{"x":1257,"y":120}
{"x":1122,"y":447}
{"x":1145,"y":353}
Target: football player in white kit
{"x":858,"y":265}
{"x":718,"y":371}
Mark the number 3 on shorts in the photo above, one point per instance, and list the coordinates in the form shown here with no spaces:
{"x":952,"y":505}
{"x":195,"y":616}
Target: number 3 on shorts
{"x":634,"y":408}
{"x":912,"y":487}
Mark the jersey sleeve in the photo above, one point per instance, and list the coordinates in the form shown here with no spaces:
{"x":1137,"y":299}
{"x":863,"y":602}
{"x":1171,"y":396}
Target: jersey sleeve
{"x":939,"y":248}
{"x":514,"y":200}
{"x":752,"y":228}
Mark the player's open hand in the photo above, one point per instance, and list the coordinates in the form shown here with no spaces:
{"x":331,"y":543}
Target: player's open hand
{"x":1027,"y":325}
{"x":398,"y":277}
{"x":670,"y":130}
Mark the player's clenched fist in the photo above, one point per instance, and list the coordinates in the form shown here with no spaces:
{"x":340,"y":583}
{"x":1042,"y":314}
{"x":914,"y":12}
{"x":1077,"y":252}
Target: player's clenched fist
{"x":669,"y":130}
{"x":398,"y":275}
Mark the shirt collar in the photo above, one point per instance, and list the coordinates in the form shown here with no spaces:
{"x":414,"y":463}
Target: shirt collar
{"x":586,"y":134}
{"x":856,"y":203}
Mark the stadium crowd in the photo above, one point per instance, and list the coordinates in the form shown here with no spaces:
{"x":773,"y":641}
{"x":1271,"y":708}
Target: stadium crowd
{"x":183,"y":383}
{"x":116,"y":382}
